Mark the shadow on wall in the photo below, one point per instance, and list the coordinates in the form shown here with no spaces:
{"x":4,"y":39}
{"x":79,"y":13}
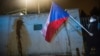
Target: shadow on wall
{"x":18,"y":42}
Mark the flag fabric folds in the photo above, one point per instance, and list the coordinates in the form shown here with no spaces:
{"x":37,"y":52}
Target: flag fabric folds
{"x":56,"y":18}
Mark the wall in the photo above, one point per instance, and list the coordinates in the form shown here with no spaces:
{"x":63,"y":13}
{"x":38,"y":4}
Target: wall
{"x":67,"y":40}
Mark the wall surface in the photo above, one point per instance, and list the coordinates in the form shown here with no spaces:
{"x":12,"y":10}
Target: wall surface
{"x":67,"y":40}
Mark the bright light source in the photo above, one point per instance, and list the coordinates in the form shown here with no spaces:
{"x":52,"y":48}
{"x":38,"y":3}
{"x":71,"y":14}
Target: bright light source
{"x":25,"y":3}
{"x":33,"y":4}
{"x":21,"y":13}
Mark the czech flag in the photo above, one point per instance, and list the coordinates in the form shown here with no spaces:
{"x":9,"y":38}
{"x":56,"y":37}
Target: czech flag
{"x":56,"y":18}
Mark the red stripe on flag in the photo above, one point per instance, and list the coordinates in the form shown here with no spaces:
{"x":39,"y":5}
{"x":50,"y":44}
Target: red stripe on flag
{"x":52,"y":28}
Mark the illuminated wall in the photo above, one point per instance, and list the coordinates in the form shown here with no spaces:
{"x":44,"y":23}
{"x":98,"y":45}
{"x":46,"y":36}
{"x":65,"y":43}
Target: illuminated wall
{"x":33,"y":42}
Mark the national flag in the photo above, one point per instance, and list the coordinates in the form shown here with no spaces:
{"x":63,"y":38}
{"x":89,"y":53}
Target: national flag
{"x":56,"y":18}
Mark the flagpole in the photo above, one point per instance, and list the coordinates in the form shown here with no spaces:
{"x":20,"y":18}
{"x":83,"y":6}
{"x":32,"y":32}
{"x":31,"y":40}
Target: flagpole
{"x":91,"y":34}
